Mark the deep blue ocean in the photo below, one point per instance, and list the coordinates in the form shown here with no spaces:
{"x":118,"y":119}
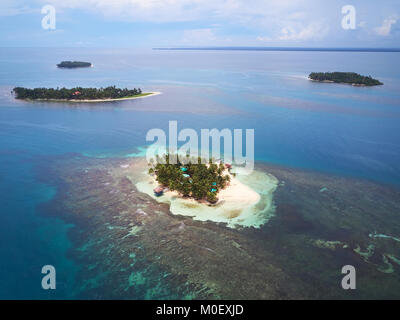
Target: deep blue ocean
{"x":338,"y":129}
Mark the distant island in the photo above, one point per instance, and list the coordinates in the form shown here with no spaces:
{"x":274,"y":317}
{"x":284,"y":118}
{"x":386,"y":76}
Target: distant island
{"x":74,"y":64}
{"x":194,"y":179}
{"x":352,"y":78}
{"x":79,"y":94}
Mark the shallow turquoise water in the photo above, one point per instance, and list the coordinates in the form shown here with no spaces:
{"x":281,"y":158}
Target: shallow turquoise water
{"x":331,"y":128}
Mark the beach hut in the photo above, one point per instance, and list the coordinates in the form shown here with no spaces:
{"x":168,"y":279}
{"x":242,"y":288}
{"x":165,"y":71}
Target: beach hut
{"x":214,"y":183}
{"x":158,"y":191}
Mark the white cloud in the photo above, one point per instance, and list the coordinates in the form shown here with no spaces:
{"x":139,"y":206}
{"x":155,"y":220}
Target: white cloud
{"x":269,"y":17}
{"x":143,"y":10}
{"x":273,"y":20}
{"x":293,"y":32}
{"x":186,"y":10}
{"x":199,"y":36}
{"x":280,"y":19}
{"x":13,"y":7}
{"x":386,"y":27}
{"x":313,"y":31}
{"x":264,"y":39}
{"x":362,"y":24}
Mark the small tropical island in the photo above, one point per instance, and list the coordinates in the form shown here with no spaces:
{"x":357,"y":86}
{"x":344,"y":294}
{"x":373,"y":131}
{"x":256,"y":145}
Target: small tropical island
{"x":205,"y":189}
{"x":194,"y":179}
{"x":74,"y":64}
{"x":352,"y":78}
{"x":79,"y":94}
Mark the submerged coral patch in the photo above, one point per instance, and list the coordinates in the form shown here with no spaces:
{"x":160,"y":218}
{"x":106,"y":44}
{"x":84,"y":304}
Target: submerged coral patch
{"x":131,"y":245}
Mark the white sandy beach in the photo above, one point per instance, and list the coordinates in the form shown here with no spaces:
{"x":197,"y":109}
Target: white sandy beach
{"x":151,"y":94}
{"x":246,"y":202}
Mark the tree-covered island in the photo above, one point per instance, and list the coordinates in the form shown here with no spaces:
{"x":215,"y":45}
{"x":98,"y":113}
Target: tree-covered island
{"x":193,"y":179}
{"x":77,"y":94}
{"x":74,"y":64}
{"x":344,"y":77}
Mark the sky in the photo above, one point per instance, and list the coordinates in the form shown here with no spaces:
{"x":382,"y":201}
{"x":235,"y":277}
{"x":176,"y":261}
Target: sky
{"x":185,"y":23}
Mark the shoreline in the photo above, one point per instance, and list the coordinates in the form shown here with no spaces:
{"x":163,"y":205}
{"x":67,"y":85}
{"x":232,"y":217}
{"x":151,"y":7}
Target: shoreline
{"x":144,"y":95}
{"x":351,"y":84}
{"x":246,"y":202}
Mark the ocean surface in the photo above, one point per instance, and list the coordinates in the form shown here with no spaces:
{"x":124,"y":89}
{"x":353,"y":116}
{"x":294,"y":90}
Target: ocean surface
{"x":335,"y":129}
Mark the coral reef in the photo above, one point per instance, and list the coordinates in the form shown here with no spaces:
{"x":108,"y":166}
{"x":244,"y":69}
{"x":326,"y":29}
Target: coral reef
{"x":130,"y":246}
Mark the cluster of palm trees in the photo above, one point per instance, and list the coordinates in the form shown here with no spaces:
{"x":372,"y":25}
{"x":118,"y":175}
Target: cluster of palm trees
{"x":74,"y":64}
{"x":344,"y":77}
{"x":75,"y":93}
{"x":191,"y":177}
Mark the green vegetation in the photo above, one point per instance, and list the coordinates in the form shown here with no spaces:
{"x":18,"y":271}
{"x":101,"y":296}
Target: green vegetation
{"x":193,"y":179}
{"x":77,"y":93}
{"x":74,"y":64}
{"x":344,"y":77}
